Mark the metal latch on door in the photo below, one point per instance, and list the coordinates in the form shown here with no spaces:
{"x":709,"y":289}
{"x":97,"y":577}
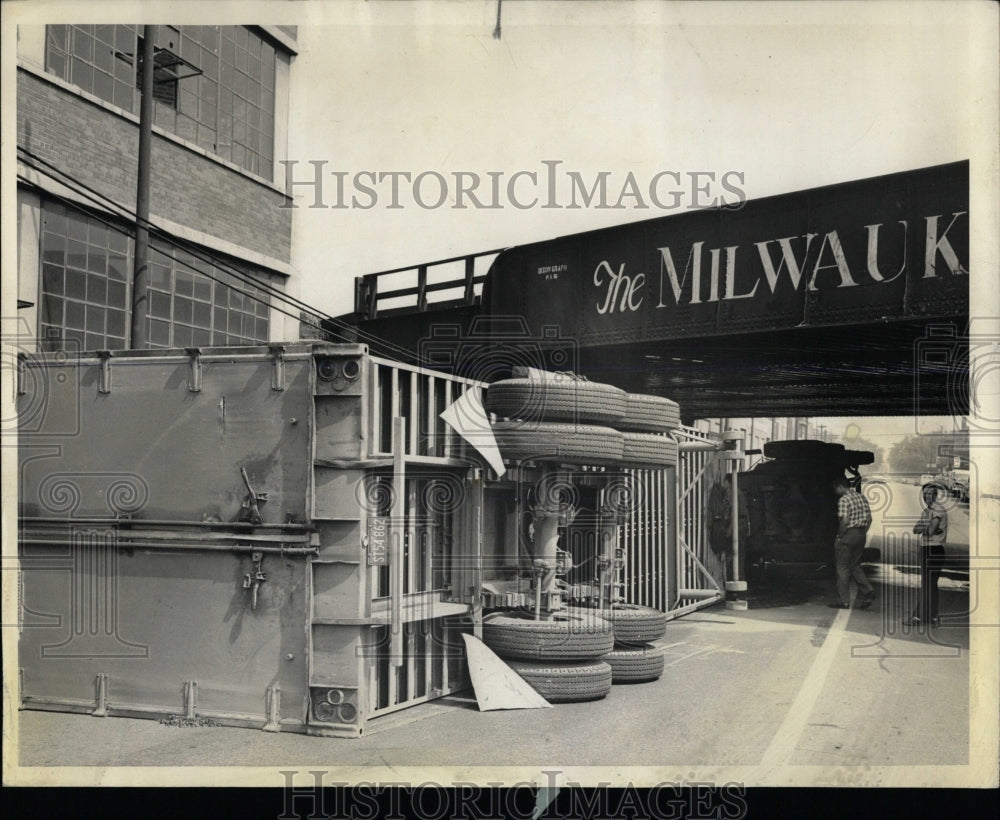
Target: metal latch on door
{"x":250,"y":511}
{"x":253,"y":579}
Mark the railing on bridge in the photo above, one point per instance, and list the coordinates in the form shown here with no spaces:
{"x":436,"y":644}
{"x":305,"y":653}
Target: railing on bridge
{"x":444,"y":283}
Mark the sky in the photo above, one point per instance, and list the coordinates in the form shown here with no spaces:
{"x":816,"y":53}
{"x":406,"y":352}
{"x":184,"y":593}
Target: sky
{"x":715,"y":100}
{"x":779,"y":96}
{"x":784,"y":95}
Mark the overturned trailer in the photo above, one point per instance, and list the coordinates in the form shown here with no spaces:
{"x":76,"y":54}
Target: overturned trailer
{"x":295,"y":537}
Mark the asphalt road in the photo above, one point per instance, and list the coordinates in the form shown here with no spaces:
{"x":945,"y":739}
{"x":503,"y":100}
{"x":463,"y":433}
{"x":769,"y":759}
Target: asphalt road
{"x":788,"y":683}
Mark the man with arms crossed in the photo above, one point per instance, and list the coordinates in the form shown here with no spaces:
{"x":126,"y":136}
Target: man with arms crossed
{"x":933,"y":531}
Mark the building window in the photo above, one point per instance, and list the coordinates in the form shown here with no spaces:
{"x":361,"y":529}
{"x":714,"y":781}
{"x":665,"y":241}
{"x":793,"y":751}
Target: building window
{"x":246,"y":100}
{"x":198,"y":97}
{"x":227,"y":110}
{"x":85,"y":56}
{"x":85,"y":273}
{"x":193,"y":302}
{"x":164,"y":78}
{"x":86,"y":298}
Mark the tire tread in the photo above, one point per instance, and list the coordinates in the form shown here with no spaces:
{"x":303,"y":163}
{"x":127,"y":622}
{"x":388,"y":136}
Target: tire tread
{"x":581,"y":638}
{"x":645,"y":413}
{"x":633,"y":664}
{"x":567,"y":683}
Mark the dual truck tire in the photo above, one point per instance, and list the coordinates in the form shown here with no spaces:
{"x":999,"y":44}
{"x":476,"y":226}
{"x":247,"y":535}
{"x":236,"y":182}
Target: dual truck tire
{"x":635,"y":664}
{"x":557,"y":399}
{"x":635,"y":625}
{"x":561,"y":659}
{"x":810,"y":450}
{"x":650,"y":414}
{"x":570,"y":636}
{"x":575,"y":681}
{"x":575,"y":657}
{"x":634,"y":660}
{"x":577,"y":634}
{"x":568,"y":682}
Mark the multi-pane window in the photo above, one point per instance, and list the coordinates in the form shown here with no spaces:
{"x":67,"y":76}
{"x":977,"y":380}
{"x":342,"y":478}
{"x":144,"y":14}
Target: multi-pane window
{"x":202,"y":306}
{"x":85,"y":273}
{"x":246,"y":99}
{"x":227,"y":109}
{"x":198,"y":97}
{"x":86,"y":56}
{"x":86,"y":298}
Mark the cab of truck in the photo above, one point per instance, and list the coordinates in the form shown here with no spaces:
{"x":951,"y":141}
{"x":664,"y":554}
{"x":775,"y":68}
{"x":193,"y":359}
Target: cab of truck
{"x":788,"y":507}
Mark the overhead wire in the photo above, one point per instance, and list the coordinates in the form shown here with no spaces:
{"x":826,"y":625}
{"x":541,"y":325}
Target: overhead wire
{"x":104,"y":202}
{"x":100,"y":199}
{"x":87,"y":192}
{"x":82,"y":190}
{"x":112,"y":224}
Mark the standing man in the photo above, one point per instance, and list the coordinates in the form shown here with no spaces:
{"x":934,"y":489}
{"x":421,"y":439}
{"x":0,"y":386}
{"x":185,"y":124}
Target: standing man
{"x":932,"y":527}
{"x":855,"y":517}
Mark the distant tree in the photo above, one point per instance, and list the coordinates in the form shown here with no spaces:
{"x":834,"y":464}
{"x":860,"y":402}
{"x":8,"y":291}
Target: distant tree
{"x":916,"y":454}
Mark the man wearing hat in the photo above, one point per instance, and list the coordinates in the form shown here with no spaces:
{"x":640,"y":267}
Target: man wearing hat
{"x":932,"y":527}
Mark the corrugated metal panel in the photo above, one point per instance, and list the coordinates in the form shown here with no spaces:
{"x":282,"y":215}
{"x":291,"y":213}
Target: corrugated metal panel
{"x":151,"y":586}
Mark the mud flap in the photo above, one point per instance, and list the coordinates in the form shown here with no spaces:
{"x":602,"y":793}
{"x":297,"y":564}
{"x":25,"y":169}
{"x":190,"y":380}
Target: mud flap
{"x":497,"y":686}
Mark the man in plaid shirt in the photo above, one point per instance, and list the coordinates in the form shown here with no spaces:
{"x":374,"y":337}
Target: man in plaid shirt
{"x":855,"y":517}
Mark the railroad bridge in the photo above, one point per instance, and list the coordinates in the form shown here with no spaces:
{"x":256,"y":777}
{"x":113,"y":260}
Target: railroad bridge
{"x":846,"y":300}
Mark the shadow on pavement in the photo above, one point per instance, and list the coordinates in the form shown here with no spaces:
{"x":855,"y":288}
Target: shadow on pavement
{"x":769,"y":593}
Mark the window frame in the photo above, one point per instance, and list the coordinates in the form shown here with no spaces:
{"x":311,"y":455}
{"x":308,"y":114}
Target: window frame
{"x":246,"y":140}
{"x":189,"y":298}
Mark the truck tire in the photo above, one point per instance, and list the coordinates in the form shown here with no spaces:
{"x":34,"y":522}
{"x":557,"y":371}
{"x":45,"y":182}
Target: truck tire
{"x":635,"y":664}
{"x":803,"y":450}
{"x":644,"y":450}
{"x":556,"y":399}
{"x":566,"y":682}
{"x":571,"y":636}
{"x":551,"y":441}
{"x":635,"y":624}
{"x":649,"y":414}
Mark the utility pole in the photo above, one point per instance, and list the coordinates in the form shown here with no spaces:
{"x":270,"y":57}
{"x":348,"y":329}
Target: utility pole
{"x":139,"y":337}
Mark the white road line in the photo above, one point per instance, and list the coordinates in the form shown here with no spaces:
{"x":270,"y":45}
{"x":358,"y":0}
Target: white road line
{"x":783,"y":744}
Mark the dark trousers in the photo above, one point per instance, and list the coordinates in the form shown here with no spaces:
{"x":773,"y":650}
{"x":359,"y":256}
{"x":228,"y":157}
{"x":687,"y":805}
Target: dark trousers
{"x":847,"y":551}
{"x":931,"y":563}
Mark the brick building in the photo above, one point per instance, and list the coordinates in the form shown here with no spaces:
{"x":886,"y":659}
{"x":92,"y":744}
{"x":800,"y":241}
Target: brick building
{"x":221,"y":246}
